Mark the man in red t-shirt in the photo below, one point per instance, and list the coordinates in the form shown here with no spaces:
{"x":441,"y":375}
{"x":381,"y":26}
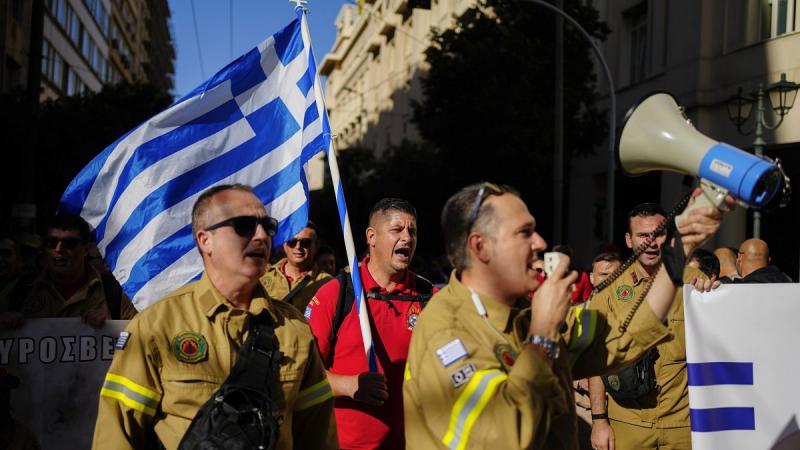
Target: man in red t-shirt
{"x":369,"y":406}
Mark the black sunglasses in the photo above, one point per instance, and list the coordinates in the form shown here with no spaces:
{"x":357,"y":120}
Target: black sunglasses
{"x":304,"y":242}
{"x":67,"y":243}
{"x":486,"y":190}
{"x":245,"y":226}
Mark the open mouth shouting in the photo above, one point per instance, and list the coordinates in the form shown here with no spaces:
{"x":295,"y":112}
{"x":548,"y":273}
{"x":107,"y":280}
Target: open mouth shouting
{"x":402,"y":253}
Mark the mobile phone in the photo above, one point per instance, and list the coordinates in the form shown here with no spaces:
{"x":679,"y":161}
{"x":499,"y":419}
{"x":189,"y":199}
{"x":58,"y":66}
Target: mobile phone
{"x":551,"y":260}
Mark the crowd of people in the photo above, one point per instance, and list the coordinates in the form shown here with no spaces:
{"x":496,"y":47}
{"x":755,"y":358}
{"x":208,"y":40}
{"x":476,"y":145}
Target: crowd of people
{"x":271,"y":351}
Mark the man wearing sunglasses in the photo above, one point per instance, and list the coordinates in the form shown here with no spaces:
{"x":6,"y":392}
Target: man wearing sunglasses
{"x":485,"y":372}
{"x":369,"y":405}
{"x":296,"y":278}
{"x":68,"y":286}
{"x":178,"y":352}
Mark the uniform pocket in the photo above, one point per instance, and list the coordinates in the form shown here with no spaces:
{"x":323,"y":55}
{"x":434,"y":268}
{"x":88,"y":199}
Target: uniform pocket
{"x":675,"y":349}
{"x":185,"y":392}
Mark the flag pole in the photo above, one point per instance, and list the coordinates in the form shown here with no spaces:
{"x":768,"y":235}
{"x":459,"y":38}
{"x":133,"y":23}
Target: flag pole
{"x":344,"y":219}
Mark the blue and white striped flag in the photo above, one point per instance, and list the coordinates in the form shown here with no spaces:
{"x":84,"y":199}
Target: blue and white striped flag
{"x":258,"y":121}
{"x":742,"y":366}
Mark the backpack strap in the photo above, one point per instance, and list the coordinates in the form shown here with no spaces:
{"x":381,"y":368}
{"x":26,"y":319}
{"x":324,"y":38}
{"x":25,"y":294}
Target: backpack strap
{"x":344,"y":304}
{"x":296,"y":290}
{"x":113,"y":294}
{"x":20,"y":291}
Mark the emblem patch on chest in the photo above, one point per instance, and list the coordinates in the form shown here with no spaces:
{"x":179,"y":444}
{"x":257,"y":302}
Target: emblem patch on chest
{"x":624,"y":293}
{"x":413,"y":315}
{"x":190,"y":347}
{"x":506,"y":355}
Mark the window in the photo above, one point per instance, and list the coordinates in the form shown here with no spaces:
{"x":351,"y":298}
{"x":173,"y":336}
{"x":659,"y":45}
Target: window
{"x":57,"y":74}
{"x":46,"y":58}
{"x":73,"y":26}
{"x":72,"y":82}
{"x":778,"y":17}
{"x":636,"y":21}
{"x":86,"y":43}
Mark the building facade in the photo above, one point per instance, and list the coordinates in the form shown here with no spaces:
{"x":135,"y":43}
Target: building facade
{"x":701,"y":52}
{"x":85,"y":44}
{"x":374,"y":67}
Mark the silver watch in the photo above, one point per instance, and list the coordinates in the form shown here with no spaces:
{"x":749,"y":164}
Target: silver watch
{"x":550,"y":346}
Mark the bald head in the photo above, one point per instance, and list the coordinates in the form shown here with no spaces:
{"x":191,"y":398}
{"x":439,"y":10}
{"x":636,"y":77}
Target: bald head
{"x":753,"y":255}
{"x":727,"y":261}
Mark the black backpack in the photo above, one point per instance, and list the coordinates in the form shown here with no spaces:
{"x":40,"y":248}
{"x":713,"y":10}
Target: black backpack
{"x":634,"y":381}
{"x":243,"y":413}
{"x":344,"y":304}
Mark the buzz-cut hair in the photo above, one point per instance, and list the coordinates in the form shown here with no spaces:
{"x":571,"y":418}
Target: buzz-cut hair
{"x":646,"y":210}
{"x":71,"y":222}
{"x":385,"y":205}
{"x":607,"y":257}
{"x":203,"y":202}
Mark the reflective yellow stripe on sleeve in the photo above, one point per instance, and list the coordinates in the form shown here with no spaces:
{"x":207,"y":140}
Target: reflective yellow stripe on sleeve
{"x":130,"y":394}
{"x":469,"y":406}
{"x":313,"y":395}
{"x":582,"y":332}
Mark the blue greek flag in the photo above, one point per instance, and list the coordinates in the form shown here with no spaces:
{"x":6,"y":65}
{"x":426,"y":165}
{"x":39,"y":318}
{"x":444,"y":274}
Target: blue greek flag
{"x":726,"y":418}
{"x":258,"y":121}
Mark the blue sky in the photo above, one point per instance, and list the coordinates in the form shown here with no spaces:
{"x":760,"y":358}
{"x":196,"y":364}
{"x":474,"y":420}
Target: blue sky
{"x":253,"y":21}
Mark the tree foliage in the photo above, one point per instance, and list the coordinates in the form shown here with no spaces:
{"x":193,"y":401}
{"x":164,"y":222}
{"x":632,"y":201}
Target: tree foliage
{"x":486,"y":114}
{"x":488,"y":95}
{"x":65,"y":134}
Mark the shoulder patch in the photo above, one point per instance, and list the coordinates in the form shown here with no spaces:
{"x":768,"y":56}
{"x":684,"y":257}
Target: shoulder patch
{"x":307,"y":313}
{"x":506,"y":355}
{"x":122,"y":340}
{"x":451,"y":352}
{"x":463,"y":374}
{"x":624,"y":293}
{"x":190,"y":347}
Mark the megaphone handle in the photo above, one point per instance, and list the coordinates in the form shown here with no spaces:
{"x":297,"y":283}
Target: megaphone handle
{"x":713,"y":195}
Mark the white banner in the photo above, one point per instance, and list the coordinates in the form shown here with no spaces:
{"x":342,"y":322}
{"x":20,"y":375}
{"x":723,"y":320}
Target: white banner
{"x":60,"y":365}
{"x":743,"y":363}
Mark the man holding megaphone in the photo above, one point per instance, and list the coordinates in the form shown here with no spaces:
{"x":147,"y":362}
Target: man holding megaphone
{"x":648,"y":407}
{"x":485,"y":372}
{"x":649,"y":404}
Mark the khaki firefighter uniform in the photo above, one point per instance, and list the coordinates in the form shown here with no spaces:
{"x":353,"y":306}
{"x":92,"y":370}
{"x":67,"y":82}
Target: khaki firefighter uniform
{"x":667,"y":407}
{"x":176,"y":353}
{"x":42,"y":299}
{"x":469,"y":384}
{"x":278,"y":286}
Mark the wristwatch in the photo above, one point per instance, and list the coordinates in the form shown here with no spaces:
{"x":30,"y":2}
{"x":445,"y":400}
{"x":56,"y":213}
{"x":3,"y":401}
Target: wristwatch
{"x":550,"y":346}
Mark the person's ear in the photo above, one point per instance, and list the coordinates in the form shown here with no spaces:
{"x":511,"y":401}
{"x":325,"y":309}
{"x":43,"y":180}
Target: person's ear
{"x":479,"y":248}
{"x":628,"y":239}
{"x":204,"y":239}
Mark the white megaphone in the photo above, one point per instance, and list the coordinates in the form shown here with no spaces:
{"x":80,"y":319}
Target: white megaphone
{"x":657,"y":135}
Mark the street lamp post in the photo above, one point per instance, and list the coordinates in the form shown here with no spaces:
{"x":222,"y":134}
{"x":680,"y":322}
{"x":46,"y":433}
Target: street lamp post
{"x":781,"y":95}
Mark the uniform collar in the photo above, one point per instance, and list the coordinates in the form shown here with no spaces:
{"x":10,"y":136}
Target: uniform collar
{"x":638,"y":274}
{"x":92,"y":278}
{"x":280,"y":267}
{"x":212,"y":301}
{"x":499,"y":314}
{"x":370,"y":285}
